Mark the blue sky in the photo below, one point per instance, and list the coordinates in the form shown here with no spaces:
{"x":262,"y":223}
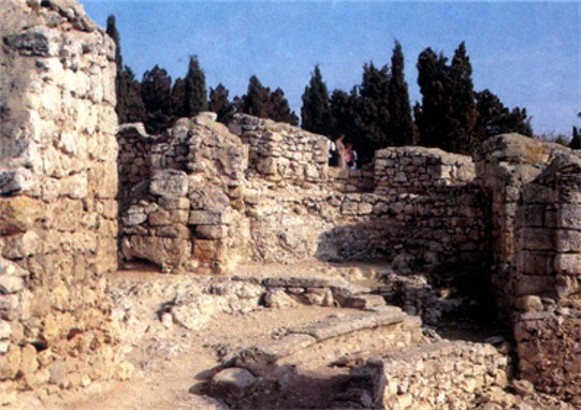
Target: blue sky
{"x":529,"y":54}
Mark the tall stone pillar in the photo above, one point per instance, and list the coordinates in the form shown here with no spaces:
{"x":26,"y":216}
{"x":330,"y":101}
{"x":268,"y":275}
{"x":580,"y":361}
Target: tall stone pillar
{"x":58,"y":183}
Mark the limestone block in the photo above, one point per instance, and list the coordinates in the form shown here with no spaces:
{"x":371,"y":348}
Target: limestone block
{"x":534,"y":285}
{"x":10,"y":284}
{"x":65,"y":215}
{"x":103,"y":180}
{"x":28,"y":361}
{"x":169,"y":183}
{"x":206,"y":250}
{"x":9,"y":307}
{"x":135,"y":215}
{"x":529,"y":303}
{"x":159,"y":217}
{"x":5,"y":330}
{"x":10,"y":363}
{"x":74,"y":186}
{"x":568,"y":241}
{"x":161,"y":251}
{"x":23,"y":245}
{"x":569,"y":216}
{"x":211,"y":231}
{"x":232,"y":384}
{"x":568,"y":263}
{"x":19,"y":213}
{"x":278,"y":298}
{"x":17,"y":180}
{"x":202,"y":217}
{"x":173,"y":231}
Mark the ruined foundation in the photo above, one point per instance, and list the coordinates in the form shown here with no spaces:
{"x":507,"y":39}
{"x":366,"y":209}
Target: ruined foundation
{"x":204,"y":198}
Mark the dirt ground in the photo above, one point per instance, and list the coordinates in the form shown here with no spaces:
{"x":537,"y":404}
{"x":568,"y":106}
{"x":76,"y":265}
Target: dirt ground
{"x":172,"y":367}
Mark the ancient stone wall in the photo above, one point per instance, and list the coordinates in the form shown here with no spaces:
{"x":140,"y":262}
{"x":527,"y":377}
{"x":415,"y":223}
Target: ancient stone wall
{"x":442,"y":375}
{"x":534,"y":190}
{"x":505,"y":165}
{"x":254,"y":217}
{"x":280,"y":152}
{"x":420,"y":170}
{"x":548,"y":279}
{"x":58,"y":182}
{"x":183,"y":211}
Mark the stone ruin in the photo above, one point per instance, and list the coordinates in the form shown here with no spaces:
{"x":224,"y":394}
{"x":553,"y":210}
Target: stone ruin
{"x":203,"y":197}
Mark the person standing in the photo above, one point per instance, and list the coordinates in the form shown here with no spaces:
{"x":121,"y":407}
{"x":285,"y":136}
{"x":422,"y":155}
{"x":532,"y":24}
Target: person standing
{"x":339,"y":142}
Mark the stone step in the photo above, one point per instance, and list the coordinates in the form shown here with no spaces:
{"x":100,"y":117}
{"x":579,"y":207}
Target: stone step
{"x":373,"y":331}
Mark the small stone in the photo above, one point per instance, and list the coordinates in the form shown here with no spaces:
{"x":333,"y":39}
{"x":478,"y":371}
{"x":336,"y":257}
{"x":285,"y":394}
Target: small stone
{"x":523,"y":387}
{"x":232,"y":383}
{"x":529,"y":303}
{"x":278,"y":299}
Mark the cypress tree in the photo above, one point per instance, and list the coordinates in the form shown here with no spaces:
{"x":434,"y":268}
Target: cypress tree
{"x":156,"y":95}
{"x":316,"y":108}
{"x":432,"y":79}
{"x":447,"y":118}
{"x":279,"y":109}
{"x":178,"y":99}
{"x":196,"y":98}
{"x":494,"y":118}
{"x":120,"y":86}
{"x":462,"y":112}
{"x":576,"y":140}
{"x":372,"y":109}
{"x":131,"y":108}
{"x":220,"y":104}
{"x":256,"y":99}
{"x":401,"y":128}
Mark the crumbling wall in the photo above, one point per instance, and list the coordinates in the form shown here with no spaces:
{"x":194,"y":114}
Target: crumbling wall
{"x":279,"y":152}
{"x":506,"y":163}
{"x":184,"y":212}
{"x":58,"y":182}
{"x":548,"y":279}
{"x":441,"y":375}
{"x":446,"y":230}
{"x":420,"y":170}
{"x":246,"y":214}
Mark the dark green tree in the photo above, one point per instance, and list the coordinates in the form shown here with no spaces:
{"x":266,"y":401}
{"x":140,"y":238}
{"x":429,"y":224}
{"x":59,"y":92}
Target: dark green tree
{"x":178,"y":99}
{"x":462,"y":112}
{"x":114,"y":34}
{"x":372,"y":112}
{"x":156,"y":95}
{"x":259,"y":101}
{"x":576,"y":140}
{"x":401,"y":129}
{"x":220,"y":104}
{"x":279,"y":109}
{"x":129,"y":106}
{"x":196,"y":98}
{"x":429,"y":116}
{"x":447,"y":118}
{"x":316,"y":109}
{"x":494,"y":118}
{"x":256,"y":100}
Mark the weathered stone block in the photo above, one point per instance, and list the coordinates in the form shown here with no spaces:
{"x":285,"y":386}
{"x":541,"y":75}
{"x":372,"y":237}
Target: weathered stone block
{"x":211,"y":231}
{"x":568,"y":263}
{"x":18,"y":214}
{"x":535,"y":285}
{"x":169,"y":183}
